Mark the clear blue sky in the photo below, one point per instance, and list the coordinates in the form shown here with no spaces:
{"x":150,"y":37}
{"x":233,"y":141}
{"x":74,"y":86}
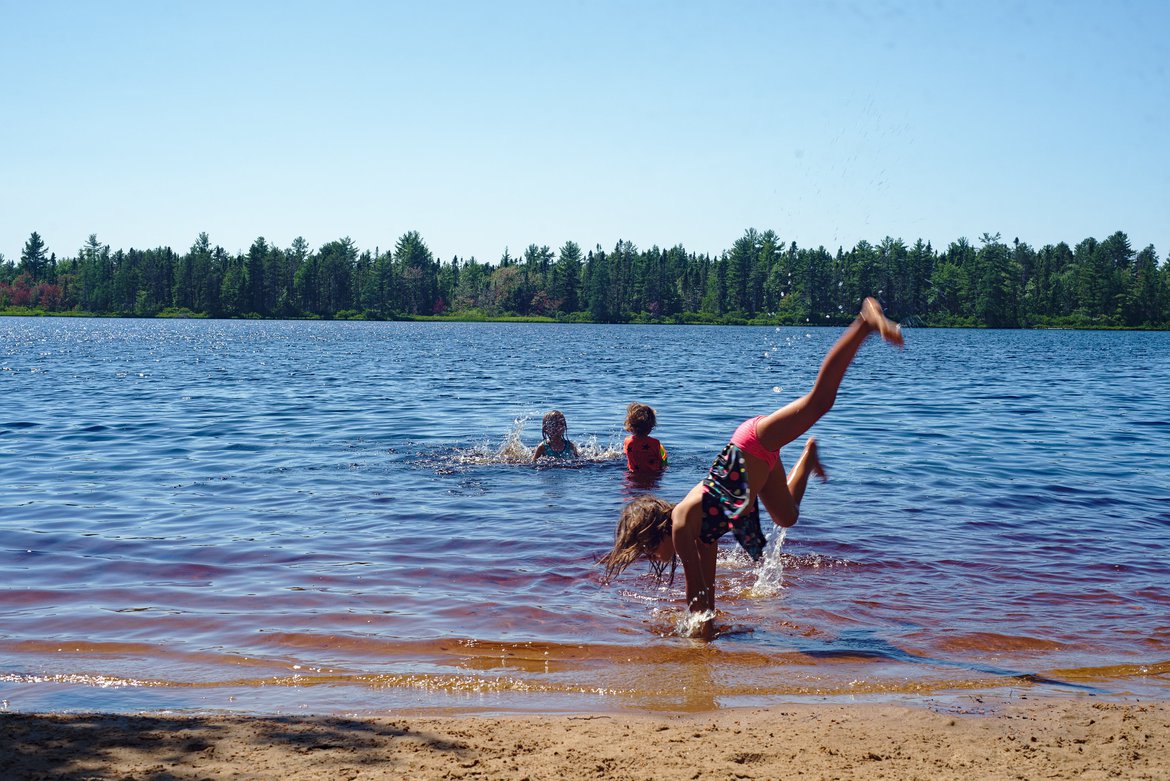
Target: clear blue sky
{"x":486,"y":125}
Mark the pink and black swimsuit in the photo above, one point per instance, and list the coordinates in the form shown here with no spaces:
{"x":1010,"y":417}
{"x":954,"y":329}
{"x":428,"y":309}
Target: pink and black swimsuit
{"x":745,"y":437}
{"x":725,"y":492}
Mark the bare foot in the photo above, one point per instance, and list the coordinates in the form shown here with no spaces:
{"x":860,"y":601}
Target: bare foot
{"x":871,"y":313}
{"x":814,"y":460}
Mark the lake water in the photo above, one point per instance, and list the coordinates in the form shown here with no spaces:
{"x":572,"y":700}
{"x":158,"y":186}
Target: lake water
{"x":285,"y":517}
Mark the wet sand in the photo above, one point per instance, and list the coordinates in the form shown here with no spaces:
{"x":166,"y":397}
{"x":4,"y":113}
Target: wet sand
{"x":973,"y":737}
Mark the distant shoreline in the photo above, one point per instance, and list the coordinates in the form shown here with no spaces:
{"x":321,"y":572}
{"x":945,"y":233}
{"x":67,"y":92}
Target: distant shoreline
{"x":683,"y":320}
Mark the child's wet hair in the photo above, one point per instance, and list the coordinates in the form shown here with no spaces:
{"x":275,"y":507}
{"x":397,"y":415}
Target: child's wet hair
{"x":640,"y":419}
{"x":553,"y":423}
{"x":644,"y":523}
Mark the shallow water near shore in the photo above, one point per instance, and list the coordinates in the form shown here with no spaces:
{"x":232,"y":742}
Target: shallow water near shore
{"x":274,"y":517}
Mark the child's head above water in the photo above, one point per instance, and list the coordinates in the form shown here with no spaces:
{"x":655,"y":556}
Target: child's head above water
{"x":640,"y":419}
{"x":553,"y":426}
{"x":644,"y":524}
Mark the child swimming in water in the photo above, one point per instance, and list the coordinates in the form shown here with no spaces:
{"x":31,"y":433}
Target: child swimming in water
{"x":748,"y":470}
{"x":554,"y":445}
{"x":644,"y":453}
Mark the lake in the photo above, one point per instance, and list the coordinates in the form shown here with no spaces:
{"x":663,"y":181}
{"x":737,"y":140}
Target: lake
{"x":343,"y":517}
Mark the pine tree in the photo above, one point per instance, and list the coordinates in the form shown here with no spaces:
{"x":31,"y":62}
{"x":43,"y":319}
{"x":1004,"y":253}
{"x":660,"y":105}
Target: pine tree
{"x":34,"y":258}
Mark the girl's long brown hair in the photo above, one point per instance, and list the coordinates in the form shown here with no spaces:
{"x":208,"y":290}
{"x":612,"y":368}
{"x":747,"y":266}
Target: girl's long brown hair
{"x":644,"y":522}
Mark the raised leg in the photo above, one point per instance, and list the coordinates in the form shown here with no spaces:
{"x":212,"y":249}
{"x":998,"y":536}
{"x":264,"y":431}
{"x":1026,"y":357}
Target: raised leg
{"x":794,"y":419}
{"x":781,"y":496}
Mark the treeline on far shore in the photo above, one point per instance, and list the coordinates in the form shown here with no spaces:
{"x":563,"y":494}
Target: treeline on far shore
{"x":759,"y":279}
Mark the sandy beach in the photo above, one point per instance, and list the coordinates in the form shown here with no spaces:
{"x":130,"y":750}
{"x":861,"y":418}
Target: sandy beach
{"x":976,"y":738}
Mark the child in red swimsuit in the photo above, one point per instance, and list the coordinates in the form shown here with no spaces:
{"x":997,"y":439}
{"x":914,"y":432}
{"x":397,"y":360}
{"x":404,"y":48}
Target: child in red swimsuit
{"x":644,"y":453}
{"x":746,"y":471}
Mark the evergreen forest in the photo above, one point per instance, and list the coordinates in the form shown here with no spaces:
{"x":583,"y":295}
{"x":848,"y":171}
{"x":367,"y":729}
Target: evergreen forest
{"x":760,"y":279}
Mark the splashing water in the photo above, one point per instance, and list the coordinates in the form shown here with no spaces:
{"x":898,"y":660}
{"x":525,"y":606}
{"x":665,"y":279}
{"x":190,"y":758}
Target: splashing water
{"x":513,"y":450}
{"x":591,"y":449}
{"x":691,"y":624}
{"x":770,"y":572}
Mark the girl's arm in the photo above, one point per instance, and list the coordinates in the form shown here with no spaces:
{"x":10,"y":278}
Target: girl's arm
{"x":686,"y":521}
{"x":536,"y":454}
